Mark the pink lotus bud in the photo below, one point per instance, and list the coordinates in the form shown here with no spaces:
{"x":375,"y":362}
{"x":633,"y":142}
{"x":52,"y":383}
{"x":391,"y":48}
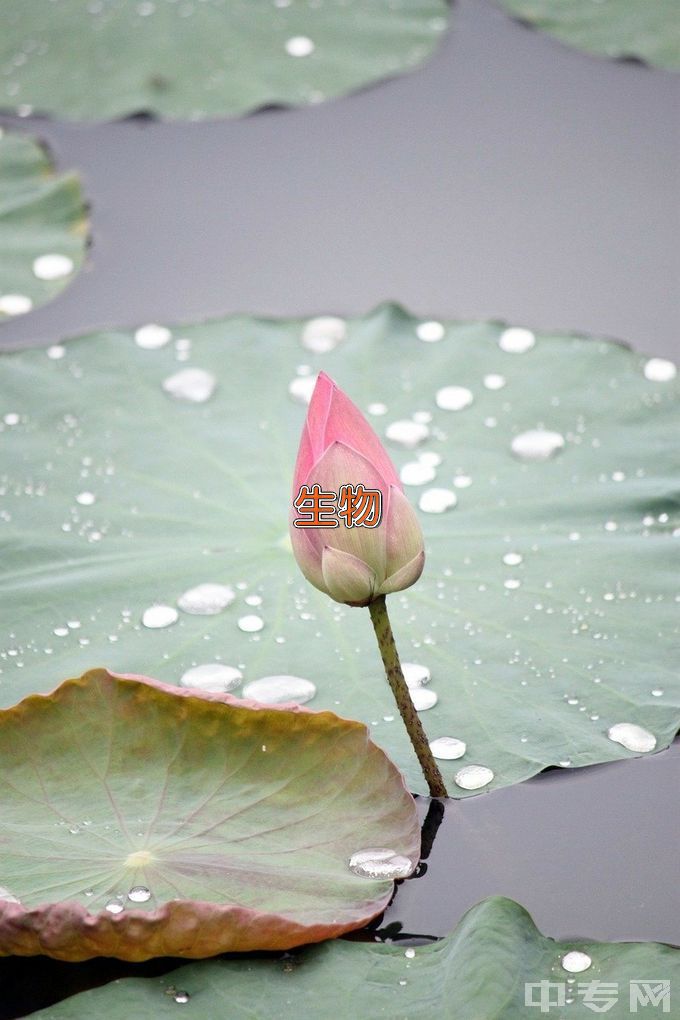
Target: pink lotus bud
{"x":344,"y":475}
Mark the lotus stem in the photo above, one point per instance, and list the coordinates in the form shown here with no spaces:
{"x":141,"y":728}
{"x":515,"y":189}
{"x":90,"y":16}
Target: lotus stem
{"x":395,"y":678}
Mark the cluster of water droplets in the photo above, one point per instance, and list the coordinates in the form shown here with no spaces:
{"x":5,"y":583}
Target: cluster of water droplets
{"x":469,"y":777}
{"x":206,"y":599}
{"x":191,"y":385}
{"x":49,"y":267}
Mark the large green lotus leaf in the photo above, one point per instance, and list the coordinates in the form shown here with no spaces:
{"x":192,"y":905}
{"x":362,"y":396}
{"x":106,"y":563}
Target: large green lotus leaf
{"x":548,"y":608}
{"x":495,"y":966}
{"x":43,"y":225}
{"x":140,"y":820}
{"x":646,"y":29}
{"x":205,"y":58}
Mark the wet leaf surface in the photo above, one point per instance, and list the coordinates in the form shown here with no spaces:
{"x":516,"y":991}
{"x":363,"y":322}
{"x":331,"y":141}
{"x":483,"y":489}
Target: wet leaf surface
{"x":195,"y":60}
{"x":137,"y":821}
{"x":547,"y":613}
{"x":649,"y":31}
{"x":43,"y":226}
{"x":481,"y":970}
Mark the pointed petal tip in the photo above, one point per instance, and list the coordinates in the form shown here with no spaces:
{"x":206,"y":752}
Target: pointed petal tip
{"x":404,"y":577}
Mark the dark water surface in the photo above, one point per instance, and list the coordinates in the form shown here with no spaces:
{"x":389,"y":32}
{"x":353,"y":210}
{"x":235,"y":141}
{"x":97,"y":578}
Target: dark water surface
{"x":591,"y":852}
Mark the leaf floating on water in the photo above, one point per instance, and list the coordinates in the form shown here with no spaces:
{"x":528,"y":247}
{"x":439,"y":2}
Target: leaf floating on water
{"x":198,"y":60}
{"x":195,"y":842}
{"x":648,"y":30}
{"x":43,"y":226}
{"x":556,"y":647}
{"x":495,"y":957}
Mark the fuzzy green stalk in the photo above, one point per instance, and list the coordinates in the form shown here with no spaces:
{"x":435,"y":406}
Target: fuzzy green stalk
{"x":395,"y":678}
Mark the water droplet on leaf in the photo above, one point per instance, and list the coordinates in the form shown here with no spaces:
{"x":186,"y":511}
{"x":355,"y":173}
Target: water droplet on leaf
{"x":448,"y":748}
{"x":299,"y":46}
{"x":15,"y":304}
{"x":323,"y":334}
{"x":192,"y":384}
{"x":423,"y":698}
{"x":212,"y":676}
{"x":453,"y":398}
{"x":301,"y":388}
{"x":417,"y":473}
{"x":660,"y":370}
{"x":516,"y":340}
{"x":52,"y":267}
{"x":159,"y":616}
{"x":537,"y":444}
{"x":437,"y":501}
{"x":139,"y":894}
{"x":407,"y":433}
{"x":473,"y":777}
{"x":152,"y":336}
{"x":512,"y":559}
{"x":632,"y":737}
{"x":415,"y":675}
{"x":250,"y":624}
{"x":380,"y":863}
{"x":430,"y":332}
{"x":276,"y":690}
{"x":206,"y":599}
{"x":576,"y":962}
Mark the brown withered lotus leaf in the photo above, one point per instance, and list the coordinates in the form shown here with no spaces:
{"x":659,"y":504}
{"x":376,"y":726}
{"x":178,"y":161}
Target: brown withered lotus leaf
{"x":140,"y":820}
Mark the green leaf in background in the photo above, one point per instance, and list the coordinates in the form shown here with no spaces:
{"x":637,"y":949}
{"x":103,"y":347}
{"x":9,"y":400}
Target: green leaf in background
{"x":191,"y":60}
{"x":495,"y":966}
{"x":43,"y":225}
{"x":646,"y":29}
{"x":137,"y":466}
{"x":138,"y":821}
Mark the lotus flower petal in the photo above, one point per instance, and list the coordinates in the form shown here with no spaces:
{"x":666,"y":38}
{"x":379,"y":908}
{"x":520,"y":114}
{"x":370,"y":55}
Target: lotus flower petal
{"x":339,"y":466}
{"x":347,"y":578}
{"x":403,"y":537}
{"x":404,"y":577}
{"x":339,"y":448}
